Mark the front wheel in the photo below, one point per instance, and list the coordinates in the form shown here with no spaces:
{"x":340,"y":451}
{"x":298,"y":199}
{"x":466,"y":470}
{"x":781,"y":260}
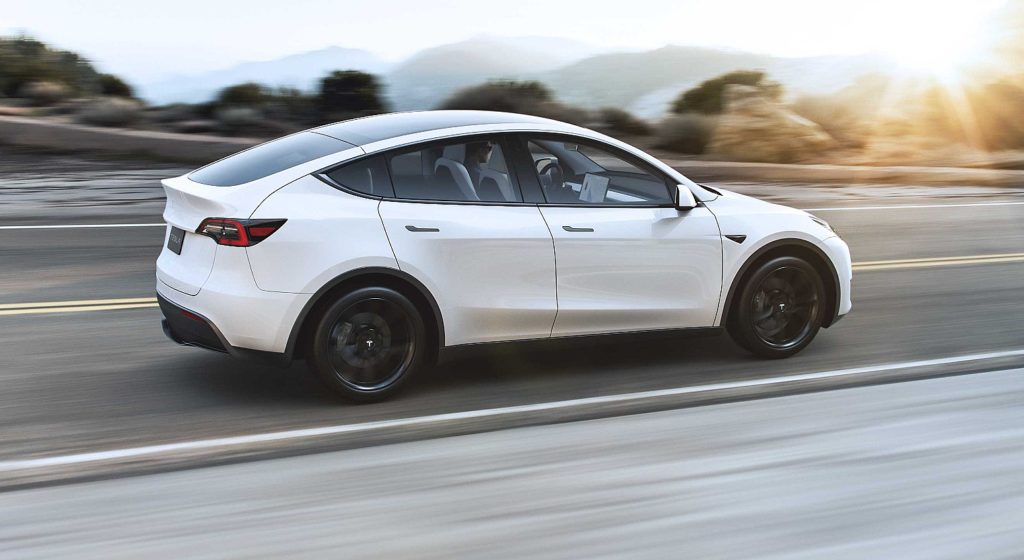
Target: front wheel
{"x":779,"y":310}
{"x":368,"y":343}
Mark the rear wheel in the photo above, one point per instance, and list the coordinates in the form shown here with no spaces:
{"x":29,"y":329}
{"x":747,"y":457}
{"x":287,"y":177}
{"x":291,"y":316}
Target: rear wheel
{"x":368,"y":343}
{"x":779,"y":310}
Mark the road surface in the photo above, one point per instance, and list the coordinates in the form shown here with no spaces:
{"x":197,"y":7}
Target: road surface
{"x":926,"y":469}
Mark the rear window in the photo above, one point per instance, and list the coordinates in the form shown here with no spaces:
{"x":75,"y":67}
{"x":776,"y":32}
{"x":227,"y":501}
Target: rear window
{"x":267,"y":159}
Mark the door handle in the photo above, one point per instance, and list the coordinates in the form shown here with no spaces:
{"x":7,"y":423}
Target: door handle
{"x":422,"y":229}
{"x":578,"y":229}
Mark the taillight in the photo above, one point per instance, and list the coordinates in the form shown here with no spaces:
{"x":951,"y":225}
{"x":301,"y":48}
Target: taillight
{"x":238,"y":233}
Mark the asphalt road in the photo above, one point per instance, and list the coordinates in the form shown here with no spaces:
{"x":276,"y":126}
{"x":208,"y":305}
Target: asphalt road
{"x":926,"y":469}
{"x":98,"y":380}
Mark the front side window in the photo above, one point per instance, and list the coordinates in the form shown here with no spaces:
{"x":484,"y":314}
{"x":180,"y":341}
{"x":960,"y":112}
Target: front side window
{"x":574,"y":173}
{"x":468,"y":171}
{"x":267,"y":159}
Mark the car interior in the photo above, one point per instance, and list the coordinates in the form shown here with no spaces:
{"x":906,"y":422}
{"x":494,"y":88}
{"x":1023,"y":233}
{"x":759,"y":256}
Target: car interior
{"x":469,"y":171}
{"x":573,"y":173}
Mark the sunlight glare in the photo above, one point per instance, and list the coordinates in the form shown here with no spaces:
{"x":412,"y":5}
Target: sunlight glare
{"x":942,"y":39}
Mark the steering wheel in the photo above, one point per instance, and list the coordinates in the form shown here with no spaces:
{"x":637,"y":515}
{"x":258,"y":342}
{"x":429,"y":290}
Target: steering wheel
{"x":553,"y":171}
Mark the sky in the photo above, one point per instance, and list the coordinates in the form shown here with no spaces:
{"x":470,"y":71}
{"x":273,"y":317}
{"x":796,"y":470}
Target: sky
{"x":146,"y":41}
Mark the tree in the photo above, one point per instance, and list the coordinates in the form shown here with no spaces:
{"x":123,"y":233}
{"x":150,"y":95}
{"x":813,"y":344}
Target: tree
{"x":707,"y":98}
{"x":114,"y":86}
{"x":349,"y":93}
{"x":24,"y":60}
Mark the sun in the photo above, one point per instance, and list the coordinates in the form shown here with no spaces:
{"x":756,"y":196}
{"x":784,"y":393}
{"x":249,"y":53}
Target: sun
{"x":942,"y":39}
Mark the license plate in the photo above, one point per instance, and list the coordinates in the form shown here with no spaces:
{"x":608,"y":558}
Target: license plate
{"x":176,"y":239}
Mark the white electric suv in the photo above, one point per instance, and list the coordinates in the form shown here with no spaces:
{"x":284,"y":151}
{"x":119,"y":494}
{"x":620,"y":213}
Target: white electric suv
{"x":367,"y":246}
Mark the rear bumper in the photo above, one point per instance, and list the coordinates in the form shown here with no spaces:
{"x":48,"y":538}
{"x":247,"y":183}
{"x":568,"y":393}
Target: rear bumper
{"x":189,"y":329}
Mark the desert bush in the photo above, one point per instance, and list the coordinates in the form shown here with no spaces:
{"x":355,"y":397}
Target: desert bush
{"x":998,"y":108}
{"x":500,"y":95}
{"x":618,"y":121}
{"x":561,"y":112}
{"x":841,"y":121}
{"x":528,"y":98}
{"x":248,"y":94}
{"x":293,"y":105}
{"x":239,"y":119}
{"x":707,"y":98}
{"x":115,"y":87}
{"x":685,"y":134}
{"x":110,"y":111}
{"x":44,"y":93}
{"x":349,"y":93}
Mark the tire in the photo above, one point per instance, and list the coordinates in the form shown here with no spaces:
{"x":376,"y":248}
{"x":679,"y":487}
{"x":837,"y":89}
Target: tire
{"x":779,"y":308}
{"x":368,"y":343}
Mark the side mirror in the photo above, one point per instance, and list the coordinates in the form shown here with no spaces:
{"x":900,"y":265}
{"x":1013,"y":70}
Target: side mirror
{"x":684,"y":198}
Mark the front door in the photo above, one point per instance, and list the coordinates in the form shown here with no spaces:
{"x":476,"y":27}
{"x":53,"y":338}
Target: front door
{"x":627,"y":259}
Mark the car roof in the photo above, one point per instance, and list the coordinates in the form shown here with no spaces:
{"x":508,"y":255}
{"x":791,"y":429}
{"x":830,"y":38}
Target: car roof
{"x":368,"y":130}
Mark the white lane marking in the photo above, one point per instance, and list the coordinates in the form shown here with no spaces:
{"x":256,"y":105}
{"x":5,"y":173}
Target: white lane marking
{"x":84,"y":226}
{"x":911,"y":206}
{"x":419,"y":421}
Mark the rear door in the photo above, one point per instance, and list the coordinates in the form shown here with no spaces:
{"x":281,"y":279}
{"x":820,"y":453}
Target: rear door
{"x":457,"y":222}
{"x":627,"y":259}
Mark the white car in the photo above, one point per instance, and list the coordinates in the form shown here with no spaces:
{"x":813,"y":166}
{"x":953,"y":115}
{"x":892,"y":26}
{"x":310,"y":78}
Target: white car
{"x":367,"y":246}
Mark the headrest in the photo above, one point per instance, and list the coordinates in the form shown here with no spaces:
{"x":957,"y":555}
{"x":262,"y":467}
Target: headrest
{"x":456,"y":152}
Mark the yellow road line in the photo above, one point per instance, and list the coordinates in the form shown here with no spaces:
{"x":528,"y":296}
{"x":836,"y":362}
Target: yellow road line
{"x":73,"y":309}
{"x":938,"y":261}
{"x":74,"y":306}
{"x":77,"y":303}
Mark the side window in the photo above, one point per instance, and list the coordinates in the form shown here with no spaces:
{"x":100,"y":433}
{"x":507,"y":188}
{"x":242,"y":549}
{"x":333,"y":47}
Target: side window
{"x":472,"y":171}
{"x":368,"y":176}
{"x":573,"y":173}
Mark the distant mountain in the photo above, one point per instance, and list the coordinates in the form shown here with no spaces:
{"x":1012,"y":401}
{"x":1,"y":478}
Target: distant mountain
{"x":643,"y":82}
{"x":647,"y":82}
{"x":299,"y":70}
{"x":619,"y":79}
{"x":430,"y":75}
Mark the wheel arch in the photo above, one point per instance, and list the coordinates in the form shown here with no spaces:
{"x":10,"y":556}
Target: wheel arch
{"x":795,"y":248}
{"x":400,"y":281}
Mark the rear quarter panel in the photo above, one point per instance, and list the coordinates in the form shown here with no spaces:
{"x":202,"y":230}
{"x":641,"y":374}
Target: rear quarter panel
{"x":328,"y":233}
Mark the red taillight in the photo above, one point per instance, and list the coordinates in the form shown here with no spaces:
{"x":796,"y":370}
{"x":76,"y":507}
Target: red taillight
{"x":238,"y":233}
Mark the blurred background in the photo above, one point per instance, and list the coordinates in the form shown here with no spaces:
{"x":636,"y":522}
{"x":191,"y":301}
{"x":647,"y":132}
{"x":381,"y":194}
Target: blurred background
{"x":897,"y":433}
{"x":905,"y":82}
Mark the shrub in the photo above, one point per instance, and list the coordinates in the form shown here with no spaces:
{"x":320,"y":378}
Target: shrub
{"x":528,"y":98}
{"x":44,"y":93}
{"x":110,"y":111}
{"x":113,"y":86}
{"x":248,"y":94}
{"x":618,"y":121}
{"x":840,"y":120}
{"x":239,"y":119}
{"x":503,"y":95}
{"x":707,"y":98}
{"x":685,"y":134}
{"x":349,"y":93}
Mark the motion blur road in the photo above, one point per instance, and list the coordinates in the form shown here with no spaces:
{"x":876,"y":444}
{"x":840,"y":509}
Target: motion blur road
{"x":941,"y":275}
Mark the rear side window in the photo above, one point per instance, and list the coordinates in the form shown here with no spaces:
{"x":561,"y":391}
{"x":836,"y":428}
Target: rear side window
{"x":368,"y":176}
{"x":472,"y":171}
{"x":267,"y":159}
